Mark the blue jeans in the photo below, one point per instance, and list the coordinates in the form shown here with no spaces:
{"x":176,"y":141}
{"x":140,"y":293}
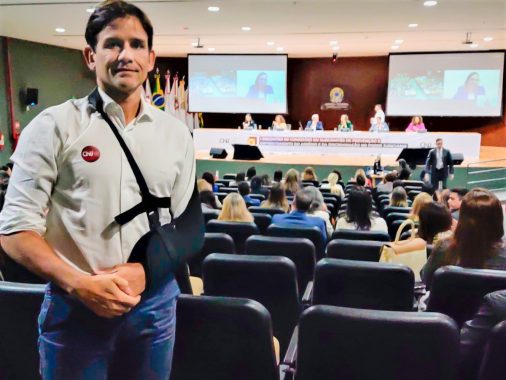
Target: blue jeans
{"x":75,"y":343}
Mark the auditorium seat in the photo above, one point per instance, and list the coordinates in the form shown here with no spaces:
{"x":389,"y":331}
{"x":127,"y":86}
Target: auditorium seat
{"x":393,"y":217}
{"x":260,"y":197}
{"x":270,"y":211}
{"x":300,"y":250}
{"x":360,"y":235}
{"x":418,"y":184}
{"x":228,"y":190}
{"x":312,"y":233}
{"x":342,"y":343}
{"x":223,"y":182}
{"x":262,"y":221}
{"x":270,"y":280}
{"x":230,"y":176}
{"x":210,"y":214}
{"x":223,"y":339}
{"x":239,"y":231}
{"x":458,"y":292}
{"x":221,"y":196}
{"x":406,"y":231}
{"x":306,"y":183}
{"x":364,"y":285}
{"x":389,"y":209}
{"x":492,"y":366}
{"x":19,"y":309}
{"x":360,"y":250}
{"x":412,"y":194}
{"x":214,"y":242}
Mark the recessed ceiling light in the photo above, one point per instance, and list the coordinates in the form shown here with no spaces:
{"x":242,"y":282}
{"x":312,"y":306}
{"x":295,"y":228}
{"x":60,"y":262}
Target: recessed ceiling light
{"x":335,"y":48}
{"x":279,"y":48}
{"x":398,"y":42}
{"x":246,"y":28}
{"x":59,"y":30}
{"x":488,"y":39}
{"x":394,"y":47}
{"x":474,"y":46}
{"x":211,"y":49}
{"x":430,"y":3}
{"x":333,"y":43}
{"x":90,"y":10}
{"x":270,"y":43}
{"x":414,"y":25}
{"x":213,"y":9}
{"x":195,"y":43}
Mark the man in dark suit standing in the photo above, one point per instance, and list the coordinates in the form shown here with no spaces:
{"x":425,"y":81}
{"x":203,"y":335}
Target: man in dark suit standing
{"x":440,"y":166}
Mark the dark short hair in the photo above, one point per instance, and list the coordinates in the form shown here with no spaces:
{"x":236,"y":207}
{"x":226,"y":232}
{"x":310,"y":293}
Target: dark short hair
{"x":360,"y":179}
{"x":251,"y":172}
{"x":460,"y":191}
{"x":110,"y":10}
{"x":207,"y":197}
{"x":439,"y":139}
{"x":240,"y":177}
{"x":390,"y":177}
{"x":208,"y":177}
{"x":339,"y":175}
{"x":243,"y":188}
{"x":256,"y":182}
{"x":302,"y":201}
{"x":278,"y":175}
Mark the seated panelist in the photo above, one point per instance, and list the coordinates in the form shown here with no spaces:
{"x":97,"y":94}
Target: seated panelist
{"x":416,"y":125}
{"x":248,"y":122}
{"x":345,"y":124}
{"x":279,"y":123}
{"x":314,"y":124}
{"x":379,"y":126}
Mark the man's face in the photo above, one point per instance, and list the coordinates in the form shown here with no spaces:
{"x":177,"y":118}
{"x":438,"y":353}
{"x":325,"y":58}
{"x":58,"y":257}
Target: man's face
{"x":122,"y":59}
{"x":454,"y":202}
{"x":439,"y":144}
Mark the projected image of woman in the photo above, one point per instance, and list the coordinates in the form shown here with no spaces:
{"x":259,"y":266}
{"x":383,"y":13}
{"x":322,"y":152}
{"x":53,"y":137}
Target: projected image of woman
{"x":471,"y":88}
{"x":260,"y":89}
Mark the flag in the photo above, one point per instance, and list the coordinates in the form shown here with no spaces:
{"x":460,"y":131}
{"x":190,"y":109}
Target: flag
{"x":172,"y":96}
{"x":158,"y":98}
{"x":181,"y":112}
{"x":189,"y":121}
{"x":167,"y":92}
{"x":201,"y":120}
{"x":147,"y":92}
{"x":196,"y":121}
{"x":175,"y":88}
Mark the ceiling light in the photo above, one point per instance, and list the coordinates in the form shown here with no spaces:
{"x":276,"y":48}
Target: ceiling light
{"x":335,"y":48}
{"x":474,"y":46}
{"x":333,"y":43}
{"x":279,"y":48}
{"x":59,"y":30}
{"x":488,"y":39}
{"x":430,"y":3}
{"x":398,"y":42}
{"x":90,"y":10}
{"x":414,"y":25}
{"x":213,"y":9}
{"x":246,"y":28}
{"x":394,"y":47}
{"x":270,"y":43}
{"x":211,"y":49}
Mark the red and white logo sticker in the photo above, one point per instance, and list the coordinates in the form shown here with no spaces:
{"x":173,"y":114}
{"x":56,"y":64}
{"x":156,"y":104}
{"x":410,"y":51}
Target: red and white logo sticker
{"x":90,"y":153}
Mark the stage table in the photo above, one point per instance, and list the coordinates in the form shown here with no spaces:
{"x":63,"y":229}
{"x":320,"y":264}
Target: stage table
{"x":335,"y":143}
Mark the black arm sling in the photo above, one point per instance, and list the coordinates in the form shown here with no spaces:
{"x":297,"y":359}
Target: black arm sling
{"x":164,"y":249}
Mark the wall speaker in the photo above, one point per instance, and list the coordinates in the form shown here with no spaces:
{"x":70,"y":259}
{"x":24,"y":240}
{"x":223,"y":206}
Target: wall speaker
{"x":218,"y":153}
{"x":32,"y":97}
{"x":457,"y":158}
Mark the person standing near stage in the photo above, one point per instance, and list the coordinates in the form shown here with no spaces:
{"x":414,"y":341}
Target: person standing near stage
{"x":440,"y":166}
{"x":70,"y":180}
{"x":378,"y":112}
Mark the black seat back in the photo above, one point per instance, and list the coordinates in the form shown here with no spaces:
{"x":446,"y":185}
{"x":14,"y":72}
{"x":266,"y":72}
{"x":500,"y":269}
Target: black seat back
{"x":360,"y":235}
{"x":270,"y":280}
{"x":300,"y":250}
{"x":492,"y":366}
{"x":361,"y":250}
{"x":222,"y":339}
{"x":214,"y":242}
{"x":19,"y":309}
{"x":312,"y":233}
{"x":262,"y":221}
{"x":210,"y":215}
{"x":342,"y":343}
{"x":363,"y":285}
{"x":270,"y":211}
{"x":458,"y":292}
{"x":239,"y":231}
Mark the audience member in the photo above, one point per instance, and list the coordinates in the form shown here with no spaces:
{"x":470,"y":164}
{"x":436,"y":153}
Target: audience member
{"x":333,"y":186}
{"x":250,"y":173}
{"x":340,"y":176}
{"x":209,"y":177}
{"x":318,"y":207}
{"x":359,"y":214}
{"x":399,"y":197}
{"x":403,"y":172}
{"x":278,"y":176}
{"x":420,"y":200}
{"x":416,"y":125}
{"x":234,"y":209}
{"x":386,"y":186}
{"x":361,"y":177}
{"x":277,"y":198}
{"x":379,"y":126}
{"x":245,"y":191}
{"x":240,"y":177}
{"x":309,"y":174}
{"x":204,"y":186}
{"x":266,"y":180}
{"x":442,"y":196}
{"x":455,"y":200}
{"x":434,"y":222}
{"x":292,"y":182}
{"x":208,"y":200}
{"x":256,"y":187}
{"x":477,"y":241}
{"x":298,"y":216}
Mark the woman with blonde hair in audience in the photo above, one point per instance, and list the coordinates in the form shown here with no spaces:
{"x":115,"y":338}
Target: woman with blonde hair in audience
{"x":292,"y":182}
{"x":477,"y":241}
{"x":234,"y":209}
{"x":419,"y":201}
{"x":334,"y":187}
{"x":309,"y":174}
{"x":277,"y":198}
{"x":399,"y":197}
{"x":361,"y":172}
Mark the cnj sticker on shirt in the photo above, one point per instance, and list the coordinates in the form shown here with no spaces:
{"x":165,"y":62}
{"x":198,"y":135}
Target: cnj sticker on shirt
{"x":90,"y":153}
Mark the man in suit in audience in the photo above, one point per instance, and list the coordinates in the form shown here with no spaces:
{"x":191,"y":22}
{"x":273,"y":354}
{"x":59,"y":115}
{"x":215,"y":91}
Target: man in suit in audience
{"x":440,"y":166}
{"x":298,"y":216}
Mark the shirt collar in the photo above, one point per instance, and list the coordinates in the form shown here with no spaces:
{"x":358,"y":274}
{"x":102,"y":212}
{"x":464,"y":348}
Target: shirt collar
{"x":111,"y":107}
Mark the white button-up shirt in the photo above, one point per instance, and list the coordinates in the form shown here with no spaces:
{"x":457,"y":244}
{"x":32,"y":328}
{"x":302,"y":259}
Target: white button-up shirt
{"x":59,"y":191}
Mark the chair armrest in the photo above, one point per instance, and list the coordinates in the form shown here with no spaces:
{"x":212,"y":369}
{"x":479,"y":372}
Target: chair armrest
{"x":308,"y":293}
{"x":285,"y":372}
{"x":291,"y":352}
